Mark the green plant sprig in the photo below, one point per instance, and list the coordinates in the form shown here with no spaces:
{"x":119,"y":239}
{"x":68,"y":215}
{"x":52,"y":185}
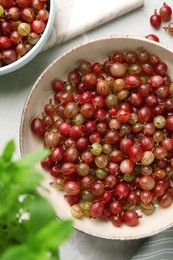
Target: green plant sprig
{"x":29,"y":226}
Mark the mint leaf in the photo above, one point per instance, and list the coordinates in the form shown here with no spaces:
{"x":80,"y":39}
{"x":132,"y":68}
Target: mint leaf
{"x":8,"y":151}
{"x":32,"y":159}
{"x":16,"y":252}
{"x":40,"y":234}
{"x":54,"y":234}
{"x":23,"y":251}
{"x":21,"y":176}
{"x":44,"y":229}
{"x":26,"y":180}
{"x":41,"y":212}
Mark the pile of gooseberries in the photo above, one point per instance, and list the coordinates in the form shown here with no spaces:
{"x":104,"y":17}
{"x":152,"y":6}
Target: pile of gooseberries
{"x":109,"y":126}
{"x":22,"y":23}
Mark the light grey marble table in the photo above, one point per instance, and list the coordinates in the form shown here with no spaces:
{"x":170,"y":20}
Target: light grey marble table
{"x":15,"y":87}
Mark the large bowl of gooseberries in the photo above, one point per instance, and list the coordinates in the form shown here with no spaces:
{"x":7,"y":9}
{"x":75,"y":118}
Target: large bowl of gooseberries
{"x":25,"y":26}
{"x":105,"y":111}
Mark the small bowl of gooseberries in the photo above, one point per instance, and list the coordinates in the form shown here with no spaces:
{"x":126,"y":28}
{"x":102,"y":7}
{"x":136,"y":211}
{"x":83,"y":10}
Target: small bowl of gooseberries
{"x":104,"y":109}
{"x":25,"y":26}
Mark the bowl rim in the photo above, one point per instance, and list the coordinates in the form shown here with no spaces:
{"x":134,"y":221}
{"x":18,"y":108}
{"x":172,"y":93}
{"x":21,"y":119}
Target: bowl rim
{"x":36,"y":48}
{"x":59,"y":57}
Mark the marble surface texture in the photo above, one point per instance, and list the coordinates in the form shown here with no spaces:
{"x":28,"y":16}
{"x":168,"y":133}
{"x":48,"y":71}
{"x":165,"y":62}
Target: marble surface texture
{"x":15,"y":87}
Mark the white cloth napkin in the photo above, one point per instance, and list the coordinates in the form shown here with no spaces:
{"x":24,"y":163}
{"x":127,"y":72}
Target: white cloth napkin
{"x":74,"y":17}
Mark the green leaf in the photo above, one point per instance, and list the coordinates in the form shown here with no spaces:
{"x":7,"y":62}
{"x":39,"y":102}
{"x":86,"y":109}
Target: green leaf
{"x":44,"y":229}
{"x":22,"y":251}
{"x":41,"y":213}
{"x":18,"y":232}
{"x":32,"y":159}
{"x":54,"y":234}
{"x":40,"y":234}
{"x":22,"y":176}
{"x":27,"y":179}
{"x":8,"y":151}
{"x":17,"y":252}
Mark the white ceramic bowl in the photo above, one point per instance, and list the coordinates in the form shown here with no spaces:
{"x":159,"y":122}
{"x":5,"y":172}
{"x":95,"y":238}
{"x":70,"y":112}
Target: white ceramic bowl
{"x":96,"y":50}
{"x":36,"y":48}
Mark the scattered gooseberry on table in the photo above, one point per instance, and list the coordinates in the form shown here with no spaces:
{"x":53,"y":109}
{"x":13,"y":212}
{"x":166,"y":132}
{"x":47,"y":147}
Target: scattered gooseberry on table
{"x":155,"y":19}
{"x":169,"y":28}
{"x":152,"y":37}
{"x":111,"y":140}
{"x":165,"y":12}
